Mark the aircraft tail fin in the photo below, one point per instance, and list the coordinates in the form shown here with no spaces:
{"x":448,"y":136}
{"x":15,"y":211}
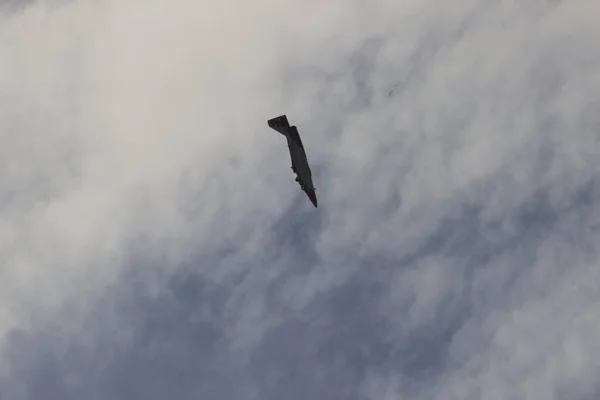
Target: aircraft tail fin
{"x":280,"y":124}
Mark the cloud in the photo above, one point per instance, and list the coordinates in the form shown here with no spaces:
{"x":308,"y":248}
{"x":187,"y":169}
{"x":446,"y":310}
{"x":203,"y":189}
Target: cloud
{"x":154,"y":243}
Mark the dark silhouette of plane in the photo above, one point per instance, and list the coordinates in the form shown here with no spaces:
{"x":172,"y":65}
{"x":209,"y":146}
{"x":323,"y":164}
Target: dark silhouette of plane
{"x":297,"y":154}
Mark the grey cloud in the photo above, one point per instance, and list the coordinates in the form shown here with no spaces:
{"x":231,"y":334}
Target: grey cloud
{"x":154,"y":244}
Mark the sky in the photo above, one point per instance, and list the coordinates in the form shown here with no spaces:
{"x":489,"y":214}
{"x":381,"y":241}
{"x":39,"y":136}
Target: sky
{"x":154,"y":244}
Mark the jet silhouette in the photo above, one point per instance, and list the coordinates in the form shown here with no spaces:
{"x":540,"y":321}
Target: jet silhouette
{"x":297,"y":154}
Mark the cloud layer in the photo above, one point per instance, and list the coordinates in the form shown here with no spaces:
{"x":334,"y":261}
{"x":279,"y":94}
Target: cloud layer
{"x":154,"y":243}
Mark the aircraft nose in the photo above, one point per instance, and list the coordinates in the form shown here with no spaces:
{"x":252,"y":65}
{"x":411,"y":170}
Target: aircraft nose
{"x":313,"y":198}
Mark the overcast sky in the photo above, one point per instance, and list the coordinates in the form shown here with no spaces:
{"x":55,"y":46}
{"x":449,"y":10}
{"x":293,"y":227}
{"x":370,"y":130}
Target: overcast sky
{"x":154,"y":244}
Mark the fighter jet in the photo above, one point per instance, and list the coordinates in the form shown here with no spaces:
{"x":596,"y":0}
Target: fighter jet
{"x":298,"y":156}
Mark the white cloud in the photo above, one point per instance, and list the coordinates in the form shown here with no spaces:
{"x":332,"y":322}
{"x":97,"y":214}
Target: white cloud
{"x":465,"y":196}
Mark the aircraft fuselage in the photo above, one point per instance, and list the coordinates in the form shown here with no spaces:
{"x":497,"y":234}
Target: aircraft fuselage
{"x":297,"y":155}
